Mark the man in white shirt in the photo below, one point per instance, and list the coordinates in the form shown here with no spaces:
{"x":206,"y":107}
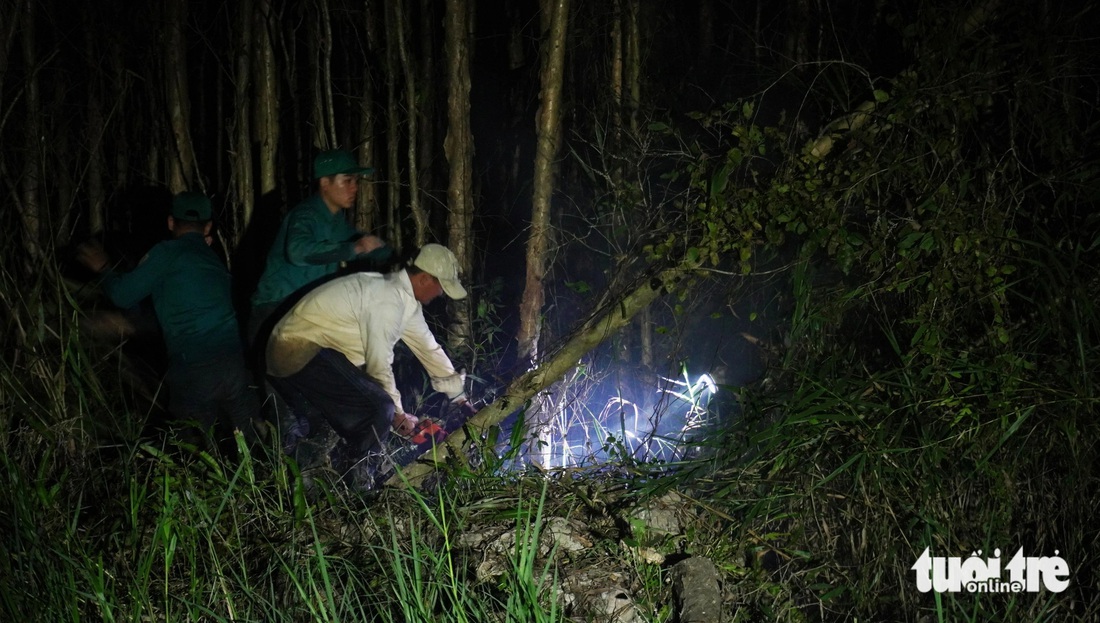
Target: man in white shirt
{"x":331,"y":355}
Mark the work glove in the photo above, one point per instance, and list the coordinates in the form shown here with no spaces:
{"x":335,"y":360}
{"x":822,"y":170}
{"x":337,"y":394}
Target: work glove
{"x":454,"y":386}
{"x":404,"y":424}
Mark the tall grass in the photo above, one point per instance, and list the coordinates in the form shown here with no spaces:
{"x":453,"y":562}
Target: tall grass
{"x":855,"y":460}
{"x":102,"y":522}
{"x":898,"y":415}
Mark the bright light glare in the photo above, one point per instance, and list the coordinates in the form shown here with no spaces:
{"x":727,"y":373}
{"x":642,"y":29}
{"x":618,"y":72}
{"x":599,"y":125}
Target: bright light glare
{"x":707,"y":383}
{"x":644,"y":429}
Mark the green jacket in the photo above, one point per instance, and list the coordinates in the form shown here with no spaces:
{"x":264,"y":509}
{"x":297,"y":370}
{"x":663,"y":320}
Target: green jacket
{"x":190,"y":288}
{"x":310,"y":245}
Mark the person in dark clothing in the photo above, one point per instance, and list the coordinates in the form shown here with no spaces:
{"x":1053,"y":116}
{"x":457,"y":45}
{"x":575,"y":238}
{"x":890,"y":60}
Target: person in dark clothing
{"x":315,"y":238}
{"x":190,"y":289}
{"x":313,"y":242}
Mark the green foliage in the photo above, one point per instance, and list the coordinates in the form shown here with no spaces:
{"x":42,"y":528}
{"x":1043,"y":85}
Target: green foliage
{"x":940,"y":339}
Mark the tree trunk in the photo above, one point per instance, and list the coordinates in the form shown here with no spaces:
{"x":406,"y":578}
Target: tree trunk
{"x":366,"y":211}
{"x":758,"y":32}
{"x":30,"y":205}
{"x":550,"y":369}
{"x":633,"y":77}
{"x":324,"y":117}
{"x":94,"y":130}
{"x":633,"y":70}
{"x":182,"y":157}
{"x":60,"y":208}
{"x":97,"y":196}
{"x":616,"y":87}
{"x":548,"y":138}
{"x":267,"y":97}
{"x":393,"y":137}
{"x":427,"y":151}
{"x":706,"y":32}
{"x":8,"y":28}
{"x":459,"y":149}
{"x":242,"y":108}
{"x":122,"y":81}
{"x":797,"y":43}
{"x":419,"y":214}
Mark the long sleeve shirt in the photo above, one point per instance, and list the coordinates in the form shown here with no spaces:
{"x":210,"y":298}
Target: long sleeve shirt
{"x":311,"y":243}
{"x":190,"y":289}
{"x":362,"y":316}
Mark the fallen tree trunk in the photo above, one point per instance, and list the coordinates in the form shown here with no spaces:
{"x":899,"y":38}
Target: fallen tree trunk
{"x":618,"y":315}
{"x":552,"y":368}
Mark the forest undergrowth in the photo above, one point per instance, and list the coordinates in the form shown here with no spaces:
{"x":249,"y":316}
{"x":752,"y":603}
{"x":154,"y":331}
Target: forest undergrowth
{"x":867,"y":441}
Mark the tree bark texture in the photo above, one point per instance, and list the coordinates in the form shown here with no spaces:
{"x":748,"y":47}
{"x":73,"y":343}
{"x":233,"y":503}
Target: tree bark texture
{"x":616,"y":86}
{"x":547,"y":141}
{"x":242,"y":106}
{"x":12,"y":11}
{"x":548,"y":138}
{"x":697,"y":591}
{"x":427,"y":150}
{"x":324,"y":118}
{"x":459,"y":149}
{"x":267,"y":96}
{"x":181,"y":158}
{"x":419,"y":214}
{"x":633,"y":73}
{"x":30,"y":206}
{"x":366,"y":210}
{"x":94,"y":129}
{"x":393,"y":138}
{"x":121,"y":81}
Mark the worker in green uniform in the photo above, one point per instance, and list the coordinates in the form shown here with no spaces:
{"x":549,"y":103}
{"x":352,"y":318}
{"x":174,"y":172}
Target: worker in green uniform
{"x":313,"y":242}
{"x":190,"y":289}
{"x":315,"y":238}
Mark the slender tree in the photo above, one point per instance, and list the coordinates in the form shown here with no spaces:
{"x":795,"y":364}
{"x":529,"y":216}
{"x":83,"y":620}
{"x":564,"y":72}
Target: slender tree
{"x":366,"y":211}
{"x":267,"y":95}
{"x":632,"y":72}
{"x":94,"y":130}
{"x":419,"y":213}
{"x":181,"y":158}
{"x":60,"y":193}
{"x":242,"y":121}
{"x":324,"y":115}
{"x":393,"y":131}
{"x":632,"y":75}
{"x":459,"y":148}
{"x":30,"y":199}
{"x":427,"y":94}
{"x":548,"y":138}
{"x":555,"y":15}
{"x":9,"y":27}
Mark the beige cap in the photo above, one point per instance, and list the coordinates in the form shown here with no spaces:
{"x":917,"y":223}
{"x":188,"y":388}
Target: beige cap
{"x":438,"y":261}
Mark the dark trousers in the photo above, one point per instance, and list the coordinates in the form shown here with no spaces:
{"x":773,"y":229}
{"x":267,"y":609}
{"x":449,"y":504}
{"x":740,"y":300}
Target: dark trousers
{"x":199,"y":391}
{"x":330,"y":389}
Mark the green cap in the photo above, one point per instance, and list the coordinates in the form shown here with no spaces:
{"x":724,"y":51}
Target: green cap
{"x":335,"y":162}
{"x":190,"y":206}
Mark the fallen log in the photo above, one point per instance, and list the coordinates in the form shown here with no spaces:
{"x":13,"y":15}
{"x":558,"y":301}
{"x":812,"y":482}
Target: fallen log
{"x":550,"y":370}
